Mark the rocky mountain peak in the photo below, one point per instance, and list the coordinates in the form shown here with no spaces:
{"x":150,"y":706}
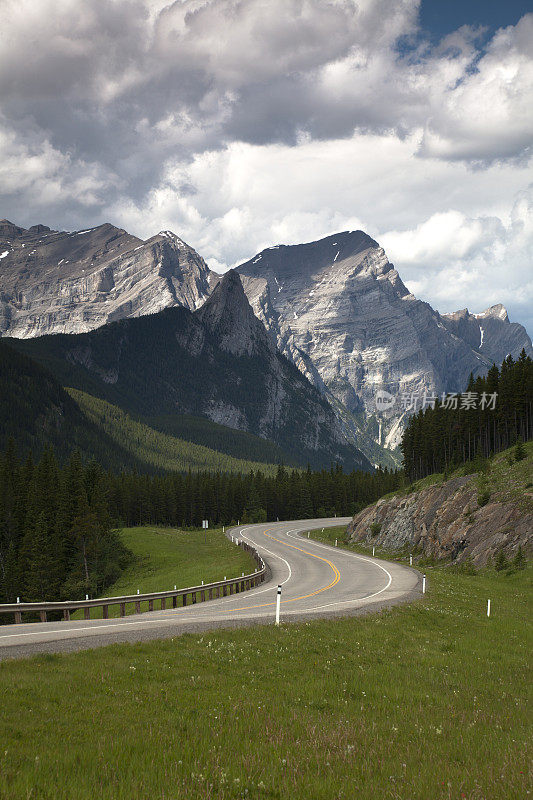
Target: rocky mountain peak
{"x":496,"y":312}
{"x":73,"y":282}
{"x":305,"y":260}
{"x":9,"y":231}
{"x":227,"y":314}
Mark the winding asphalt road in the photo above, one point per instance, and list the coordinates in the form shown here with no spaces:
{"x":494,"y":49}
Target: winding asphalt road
{"x":317,"y":580}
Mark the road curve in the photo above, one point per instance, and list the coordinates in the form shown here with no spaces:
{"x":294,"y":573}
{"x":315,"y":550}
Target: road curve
{"x":316,"y":579}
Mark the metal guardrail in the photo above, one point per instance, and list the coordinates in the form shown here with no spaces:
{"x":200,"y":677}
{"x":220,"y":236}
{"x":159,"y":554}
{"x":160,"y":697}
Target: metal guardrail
{"x":207,"y":591}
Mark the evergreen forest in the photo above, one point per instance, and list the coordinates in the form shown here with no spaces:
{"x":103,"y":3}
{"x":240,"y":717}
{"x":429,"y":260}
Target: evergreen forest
{"x":495,"y":412}
{"x":58,"y":522}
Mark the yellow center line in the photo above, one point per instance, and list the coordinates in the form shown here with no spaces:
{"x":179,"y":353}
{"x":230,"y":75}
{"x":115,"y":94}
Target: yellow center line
{"x":302,"y":597}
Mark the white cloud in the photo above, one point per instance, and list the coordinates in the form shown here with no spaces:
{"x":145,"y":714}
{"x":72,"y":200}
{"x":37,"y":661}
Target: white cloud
{"x":487,"y":114}
{"x":32,"y":167}
{"x":243,"y":123}
{"x":477,"y":252}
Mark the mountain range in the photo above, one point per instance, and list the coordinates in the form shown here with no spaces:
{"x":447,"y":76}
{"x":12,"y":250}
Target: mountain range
{"x":217,"y":362}
{"x":336,"y":309}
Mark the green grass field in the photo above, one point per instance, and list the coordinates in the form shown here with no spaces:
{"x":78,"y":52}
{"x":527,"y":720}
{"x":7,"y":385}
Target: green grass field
{"x":421,"y":702}
{"x":168,"y":557}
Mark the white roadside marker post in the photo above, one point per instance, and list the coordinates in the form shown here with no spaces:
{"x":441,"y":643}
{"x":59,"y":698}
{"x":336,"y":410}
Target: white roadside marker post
{"x":335,"y":543}
{"x":488,"y":608}
{"x":423,"y":584}
{"x":278,"y":604}
{"x":373,"y":551}
{"x":308,"y":534}
{"x":138,"y":592}
{"x":410,"y":560}
{"x":86,"y":596}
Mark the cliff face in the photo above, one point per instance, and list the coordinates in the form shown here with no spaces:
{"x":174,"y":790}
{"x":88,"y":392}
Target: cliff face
{"x":445,"y":521}
{"x":491,"y":333}
{"x":60,"y":282}
{"x":338,"y":309}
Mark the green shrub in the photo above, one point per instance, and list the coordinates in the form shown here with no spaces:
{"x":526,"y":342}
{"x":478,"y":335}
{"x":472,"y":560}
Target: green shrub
{"x":519,"y":561}
{"x":467,"y":567}
{"x":519,"y":451}
{"x":483,"y":498}
{"x":500,"y":561}
{"x":375,"y":528}
{"x":479,"y":464}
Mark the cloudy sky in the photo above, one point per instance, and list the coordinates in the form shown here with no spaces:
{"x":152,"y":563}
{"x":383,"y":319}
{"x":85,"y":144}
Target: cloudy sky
{"x":244,"y":123}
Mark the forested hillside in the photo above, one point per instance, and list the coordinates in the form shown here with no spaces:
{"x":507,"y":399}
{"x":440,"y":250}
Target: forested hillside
{"x":36,"y":412}
{"x":488,"y":417}
{"x":154,"y":450}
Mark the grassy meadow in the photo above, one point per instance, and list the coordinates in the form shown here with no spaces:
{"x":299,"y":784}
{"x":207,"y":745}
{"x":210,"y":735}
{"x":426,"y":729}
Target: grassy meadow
{"x":420,"y":702}
{"x":168,"y":557}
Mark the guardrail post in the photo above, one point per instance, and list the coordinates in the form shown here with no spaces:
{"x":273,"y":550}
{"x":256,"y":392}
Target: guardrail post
{"x":174,"y":601}
{"x":150,"y":605}
{"x":184,"y":600}
{"x":105,"y":612}
{"x":163,"y":604}
{"x":202,"y":596}
{"x":87,"y":613}
{"x":211,"y":593}
{"x":18,"y":617}
{"x":194,"y":597}
{"x":66,"y":614}
{"x":137,"y":606}
{"x":42,"y":615}
{"x":123,"y":609}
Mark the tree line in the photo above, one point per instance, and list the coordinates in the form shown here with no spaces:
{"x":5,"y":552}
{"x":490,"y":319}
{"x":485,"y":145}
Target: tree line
{"x":58,"y":523}
{"x":184,"y":500}
{"x":495,"y":411}
{"x":56,"y":537}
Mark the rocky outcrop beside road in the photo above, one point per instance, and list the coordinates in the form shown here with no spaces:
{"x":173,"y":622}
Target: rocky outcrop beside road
{"x":445,"y":521}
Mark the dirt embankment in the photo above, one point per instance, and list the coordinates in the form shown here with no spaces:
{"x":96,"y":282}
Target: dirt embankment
{"x":446,"y":521}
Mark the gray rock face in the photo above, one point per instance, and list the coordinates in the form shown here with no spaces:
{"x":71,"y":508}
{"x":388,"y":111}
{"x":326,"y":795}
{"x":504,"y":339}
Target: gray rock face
{"x":445,"y":521}
{"x":59,"y":282}
{"x":339,"y":310}
{"x":228,"y":316}
{"x":490,"y":333}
